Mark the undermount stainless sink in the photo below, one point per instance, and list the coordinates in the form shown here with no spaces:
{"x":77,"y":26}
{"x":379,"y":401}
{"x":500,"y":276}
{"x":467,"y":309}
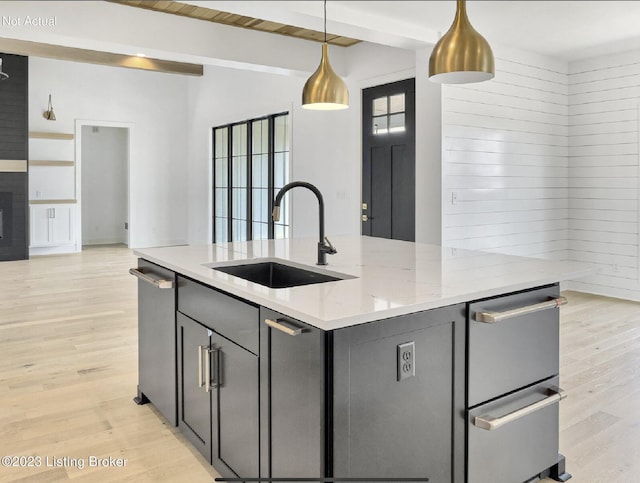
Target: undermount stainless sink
{"x":278,"y":275}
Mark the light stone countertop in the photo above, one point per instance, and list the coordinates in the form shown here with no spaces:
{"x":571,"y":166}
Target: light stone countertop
{"x":391,"y":277}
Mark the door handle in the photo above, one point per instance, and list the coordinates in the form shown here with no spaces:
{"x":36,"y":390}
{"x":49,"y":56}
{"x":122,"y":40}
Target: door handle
{"x":156,"y":282}
{"x":284,"y":326}
{"x":493,"y":317}
{"x":201,"y":348}
{"x":490,"y":423}
{"x":215,"y":383}
{"x":208,"y":384}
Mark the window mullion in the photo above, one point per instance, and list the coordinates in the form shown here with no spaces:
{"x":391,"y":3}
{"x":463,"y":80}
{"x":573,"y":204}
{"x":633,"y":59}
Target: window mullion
{"x":271,"y":174}
{"x":249,"y":212}
{"x":230,"y":183}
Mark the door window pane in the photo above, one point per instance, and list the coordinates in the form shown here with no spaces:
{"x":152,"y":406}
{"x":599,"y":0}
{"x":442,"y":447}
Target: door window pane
{"x":281,"y":134}
{"x":281,"y":170}
{"x":222,"y":202}
{"x":221,"y":225}
{"x":239,"y":171}
{"x":396,"y":122}
{"x":239,"y":139}
{"x":221,"y":173}
{"x":221,"y":142}
{"x":380,"y":106}
{"x":396,"y":103}
{"x":380,"y":125}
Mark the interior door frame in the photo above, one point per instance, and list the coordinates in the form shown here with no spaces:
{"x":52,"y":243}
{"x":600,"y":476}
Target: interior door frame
{"x":129,"y":126}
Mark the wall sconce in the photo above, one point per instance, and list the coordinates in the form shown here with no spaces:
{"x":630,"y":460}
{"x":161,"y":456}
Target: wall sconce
{"x":3,"y":76}
{"x":49,"y":115}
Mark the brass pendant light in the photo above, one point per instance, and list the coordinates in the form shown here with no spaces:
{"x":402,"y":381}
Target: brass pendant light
{"x":462,"y":55}
{"x":325,"y":90}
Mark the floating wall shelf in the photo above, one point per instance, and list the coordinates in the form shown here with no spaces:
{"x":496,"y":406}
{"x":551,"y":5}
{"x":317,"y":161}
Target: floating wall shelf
{"x":52,"y":202}
{"x":50,"y":135}
{"x":42,"y":162}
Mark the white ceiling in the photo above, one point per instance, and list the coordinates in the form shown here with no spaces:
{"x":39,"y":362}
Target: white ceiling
{"x":567,"y":30}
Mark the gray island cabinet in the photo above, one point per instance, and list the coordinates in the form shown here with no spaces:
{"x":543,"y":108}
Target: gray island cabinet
{"x":461,"y":388}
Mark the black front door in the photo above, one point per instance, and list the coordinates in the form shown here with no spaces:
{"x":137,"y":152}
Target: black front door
{"x":388,"y":160}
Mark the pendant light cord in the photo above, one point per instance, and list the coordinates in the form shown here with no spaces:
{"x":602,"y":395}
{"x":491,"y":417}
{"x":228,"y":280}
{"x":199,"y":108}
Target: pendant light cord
{"x":325,"y":21}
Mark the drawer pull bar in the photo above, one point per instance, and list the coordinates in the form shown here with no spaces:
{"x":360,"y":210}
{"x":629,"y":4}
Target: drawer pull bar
{"x":284,"y":326}
{"x":493,"y":317}
{"x":490,"y":423}
{"x":158,"y":283}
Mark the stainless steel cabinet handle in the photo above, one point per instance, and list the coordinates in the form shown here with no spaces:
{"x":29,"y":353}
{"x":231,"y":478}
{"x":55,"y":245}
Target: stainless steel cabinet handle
{"x":216,"y":368}
{"x":490,"y":423}
{"x":207,"y":369}
{"x":284,"y":326}
{"x":493,"y":317}
{"x":200,"y":380}
{"x":158,"y":283}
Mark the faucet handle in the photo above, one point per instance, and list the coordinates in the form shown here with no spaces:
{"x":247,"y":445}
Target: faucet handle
{"x":332,"y":249}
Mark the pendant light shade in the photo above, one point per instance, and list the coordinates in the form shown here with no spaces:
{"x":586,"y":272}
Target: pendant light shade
{"x":462,"y":55}
{"x":325,"y":90}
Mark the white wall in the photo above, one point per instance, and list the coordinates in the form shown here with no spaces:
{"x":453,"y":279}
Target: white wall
{"x":603,"y":167}
{"x":325,"y":147}
{"x":156,"y":104}
{"x":104,"y":184}
{"x":505,"y":159}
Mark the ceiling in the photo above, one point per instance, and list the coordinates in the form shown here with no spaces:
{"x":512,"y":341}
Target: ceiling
{"x":567,"y":30}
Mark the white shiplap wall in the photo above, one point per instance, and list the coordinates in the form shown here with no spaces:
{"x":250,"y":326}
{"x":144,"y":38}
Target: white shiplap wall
{"x":505,"y":159}
{"x":604,"y":95}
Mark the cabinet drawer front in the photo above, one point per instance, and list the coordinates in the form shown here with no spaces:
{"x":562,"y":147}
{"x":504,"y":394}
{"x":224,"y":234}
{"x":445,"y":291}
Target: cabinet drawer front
{"x":515,"y":352}
{"x":235,"y":320}
{"x":521,"y":448}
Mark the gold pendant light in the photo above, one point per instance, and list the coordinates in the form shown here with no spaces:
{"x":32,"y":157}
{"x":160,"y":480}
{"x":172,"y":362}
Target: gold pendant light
{"x":325,"y":90}
{"x":462,"y":55}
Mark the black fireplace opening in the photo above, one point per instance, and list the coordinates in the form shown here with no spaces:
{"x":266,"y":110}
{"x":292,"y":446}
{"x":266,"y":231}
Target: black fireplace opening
{"x":6,"y":225}
{"x":14,"y":236}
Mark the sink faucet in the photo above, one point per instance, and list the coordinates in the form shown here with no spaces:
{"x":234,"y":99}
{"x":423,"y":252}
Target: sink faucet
{"x":324,"y":245}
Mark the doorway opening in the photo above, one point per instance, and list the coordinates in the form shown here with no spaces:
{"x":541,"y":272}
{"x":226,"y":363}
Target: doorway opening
{"x":388,"y":161}
{"x":104,"y":183}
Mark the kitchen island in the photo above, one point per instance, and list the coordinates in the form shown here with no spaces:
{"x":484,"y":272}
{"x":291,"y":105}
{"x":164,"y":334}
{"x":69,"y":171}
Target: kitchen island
{"x":420,"y":361}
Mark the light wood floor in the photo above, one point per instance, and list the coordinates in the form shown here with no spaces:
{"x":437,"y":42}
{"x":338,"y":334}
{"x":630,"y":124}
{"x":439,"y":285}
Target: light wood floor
{"x":68,"y":372}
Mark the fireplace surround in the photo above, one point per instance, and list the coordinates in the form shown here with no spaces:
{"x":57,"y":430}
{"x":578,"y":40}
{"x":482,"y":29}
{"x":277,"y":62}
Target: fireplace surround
{"x":14,"y":131}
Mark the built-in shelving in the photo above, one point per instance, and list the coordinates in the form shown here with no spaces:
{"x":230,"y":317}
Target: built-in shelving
{"x":50,"y":135}
{"x":52,"y":193}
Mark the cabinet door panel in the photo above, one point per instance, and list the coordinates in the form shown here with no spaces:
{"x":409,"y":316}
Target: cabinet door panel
{"x":407,"y":428}
{"x":157,"y":341}
{"x":293,"y":399}
{"x":235,"y":409}
{"x":194,"y":402}
{"x":39,"y":220}
{"x":62,"y":226}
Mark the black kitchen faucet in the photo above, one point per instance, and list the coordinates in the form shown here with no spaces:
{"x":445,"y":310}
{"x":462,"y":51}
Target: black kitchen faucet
{"x":324,"y":245}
